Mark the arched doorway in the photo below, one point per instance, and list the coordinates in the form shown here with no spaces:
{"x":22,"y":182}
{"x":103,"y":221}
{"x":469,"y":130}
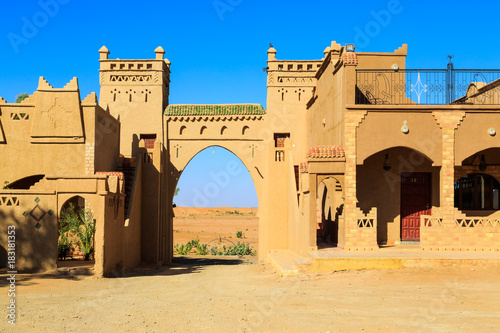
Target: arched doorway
{"x":402,"y":183}
{"x":76,"y":227}
{"x":330,"y":204}
{"x":216,"y":206}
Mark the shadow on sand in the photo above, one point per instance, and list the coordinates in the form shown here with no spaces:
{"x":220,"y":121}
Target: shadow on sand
{"x":79,"y":270}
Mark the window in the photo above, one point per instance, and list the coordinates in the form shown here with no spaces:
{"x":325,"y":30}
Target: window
{"x":477,"y":192}
{"x":279,"y":139}
{"x":149,"y":140}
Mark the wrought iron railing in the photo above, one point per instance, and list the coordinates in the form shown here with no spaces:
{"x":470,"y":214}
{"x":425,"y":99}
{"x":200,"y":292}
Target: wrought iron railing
{"x":427,"y":87}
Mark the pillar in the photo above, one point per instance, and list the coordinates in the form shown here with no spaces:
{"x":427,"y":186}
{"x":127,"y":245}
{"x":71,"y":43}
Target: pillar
{"x":352,"y":121}
{"x":448,"y":122}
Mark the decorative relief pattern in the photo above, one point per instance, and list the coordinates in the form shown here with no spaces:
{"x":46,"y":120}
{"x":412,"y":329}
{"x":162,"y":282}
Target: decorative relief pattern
{"x":19,"y":116}
{"x":366,"y":223}
{"x":477,"y":222}
{"x":37,"y":213}
{"x":9,"y":201}
{"x":295,"y":79}
{"x":130,"y":78}
{"x":428,"y":221}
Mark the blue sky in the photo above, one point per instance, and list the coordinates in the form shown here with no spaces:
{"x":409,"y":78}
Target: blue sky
{"x":218,"y":48}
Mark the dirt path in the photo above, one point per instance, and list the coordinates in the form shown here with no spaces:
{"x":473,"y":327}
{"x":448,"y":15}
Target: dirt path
{"x":231,"y":295}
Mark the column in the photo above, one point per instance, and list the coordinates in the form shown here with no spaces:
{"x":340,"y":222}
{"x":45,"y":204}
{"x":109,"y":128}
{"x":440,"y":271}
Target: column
{"x":352,"y":121}
{"x":449,"y":122}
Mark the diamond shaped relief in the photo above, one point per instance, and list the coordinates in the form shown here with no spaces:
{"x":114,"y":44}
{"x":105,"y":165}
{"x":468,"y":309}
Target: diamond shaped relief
{"x":37,"y":213}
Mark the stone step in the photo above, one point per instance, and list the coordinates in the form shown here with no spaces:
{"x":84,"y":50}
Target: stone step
{"x":288,"y":263}
{"x":284,"y":262}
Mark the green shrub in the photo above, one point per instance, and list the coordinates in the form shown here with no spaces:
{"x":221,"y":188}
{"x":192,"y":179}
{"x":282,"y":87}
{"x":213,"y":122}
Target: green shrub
{"x":239,"y":234}
{"x":183,"y":249}
{"x":202,"y":249}
{"x":80,"y":223}
{"x":194,"y":243}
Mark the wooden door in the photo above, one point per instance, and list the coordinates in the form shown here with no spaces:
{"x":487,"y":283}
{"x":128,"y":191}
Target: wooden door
{"x":415,"y":201}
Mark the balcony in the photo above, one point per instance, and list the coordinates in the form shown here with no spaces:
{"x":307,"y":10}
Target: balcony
{"x":428,"y":87}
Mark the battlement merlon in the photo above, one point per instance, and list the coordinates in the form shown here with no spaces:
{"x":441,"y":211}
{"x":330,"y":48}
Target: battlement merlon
{"x":291,"y":73}
{"x":133,"y":66}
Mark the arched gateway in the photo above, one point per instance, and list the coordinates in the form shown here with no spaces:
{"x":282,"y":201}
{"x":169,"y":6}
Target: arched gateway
{"x":190,"y":129}
{"x":157,"y":141}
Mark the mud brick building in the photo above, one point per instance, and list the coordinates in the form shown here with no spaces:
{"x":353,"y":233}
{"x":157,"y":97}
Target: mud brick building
{"x":354,"y":151}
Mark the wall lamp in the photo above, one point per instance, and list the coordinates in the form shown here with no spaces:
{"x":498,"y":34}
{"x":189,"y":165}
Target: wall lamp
{"x":387,"y":164}
{"x":482,"y":164}
{"x":350,"y":47}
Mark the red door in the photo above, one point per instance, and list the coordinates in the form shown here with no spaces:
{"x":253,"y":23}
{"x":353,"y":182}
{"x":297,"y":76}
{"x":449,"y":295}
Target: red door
{"x":415,"y":201}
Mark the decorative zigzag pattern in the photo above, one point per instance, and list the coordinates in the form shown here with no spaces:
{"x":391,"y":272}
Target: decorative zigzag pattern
{"x":9,"y":201}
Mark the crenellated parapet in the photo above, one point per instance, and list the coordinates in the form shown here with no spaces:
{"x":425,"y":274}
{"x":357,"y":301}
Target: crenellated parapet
{"x":136,"y":92}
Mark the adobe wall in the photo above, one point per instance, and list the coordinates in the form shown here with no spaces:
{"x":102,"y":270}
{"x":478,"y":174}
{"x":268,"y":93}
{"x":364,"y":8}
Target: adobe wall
{"x":382,"y":60}
{"x":22,"y":141}
{"x":57,"y":133}
{"x":381,"y":129}
{"x":102,"y":137}
{"x":34,"y":217}
{"x":476,"y":125}
{"x":325,"y":117}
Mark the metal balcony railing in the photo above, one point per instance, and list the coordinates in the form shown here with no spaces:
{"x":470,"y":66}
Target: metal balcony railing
{"x":428,"y":87}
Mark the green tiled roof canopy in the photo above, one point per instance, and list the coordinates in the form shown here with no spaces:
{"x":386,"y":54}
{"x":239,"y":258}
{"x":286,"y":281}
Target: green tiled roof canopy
{"x":214,"y":110}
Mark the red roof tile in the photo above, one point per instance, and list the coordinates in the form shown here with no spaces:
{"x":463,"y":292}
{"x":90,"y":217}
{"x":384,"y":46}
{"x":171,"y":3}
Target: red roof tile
{"x":326,"y":152}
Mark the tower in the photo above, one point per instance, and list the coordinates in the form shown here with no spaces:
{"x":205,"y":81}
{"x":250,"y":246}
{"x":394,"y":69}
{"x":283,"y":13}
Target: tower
{"x":136,"y":93}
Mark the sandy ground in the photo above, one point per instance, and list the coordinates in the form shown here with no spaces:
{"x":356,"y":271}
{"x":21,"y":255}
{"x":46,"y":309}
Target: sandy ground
{"x":215,"y":294}
{"x":212,"y":224}
{"x":231,"y":295}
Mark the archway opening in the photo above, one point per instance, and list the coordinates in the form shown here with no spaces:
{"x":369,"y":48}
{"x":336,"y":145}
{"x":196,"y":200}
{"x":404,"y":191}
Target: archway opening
{"x":76,"y":233}
{"x":330,"y":207}
{"x":476,"y":184}
{"x":402,"y":184}
{"x":216,"y":207}
{"x":477,"y":191}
